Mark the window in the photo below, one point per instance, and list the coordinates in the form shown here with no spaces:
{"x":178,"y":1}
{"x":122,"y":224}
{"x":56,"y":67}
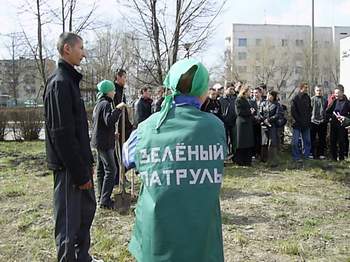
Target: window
{"x":299,"y":42}
{"x":242,"y":69}
{"x":242,"y":56}
{"x":258,"y":42}
{"x":242,"y":42}
{"x":284,"y":42}
{"x":315,"y":43}
{"x":257,"y":69}
{"x":327,"y":43}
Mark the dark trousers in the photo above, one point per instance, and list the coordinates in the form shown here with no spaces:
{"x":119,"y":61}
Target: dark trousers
{"x":230,"y":139}
{"x":318,"y":146}
{"x":257,"y":140}
{"x":106,"y":175}
{"x":74,"y":211}
{"x":338,"y":141}
{"x":244,"y":156}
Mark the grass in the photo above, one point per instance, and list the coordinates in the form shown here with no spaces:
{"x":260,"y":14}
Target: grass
{"x":289,"y":213}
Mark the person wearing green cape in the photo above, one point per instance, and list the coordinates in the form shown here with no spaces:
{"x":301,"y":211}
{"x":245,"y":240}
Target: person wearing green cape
{"x":179,"y":153}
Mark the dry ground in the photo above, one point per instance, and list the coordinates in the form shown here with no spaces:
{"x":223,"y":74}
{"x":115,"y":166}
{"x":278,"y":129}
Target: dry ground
{"x":290,"y":213}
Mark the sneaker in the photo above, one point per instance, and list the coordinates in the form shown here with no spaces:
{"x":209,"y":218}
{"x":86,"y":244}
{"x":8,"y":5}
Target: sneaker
{"x":110,"y":205}
{"x":310,"y":157}
{"x":322,"y":157}
{"x":93,"y":259}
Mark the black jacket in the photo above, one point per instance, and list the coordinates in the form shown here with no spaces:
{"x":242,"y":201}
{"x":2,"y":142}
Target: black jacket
{"x":271,"y":111}
{"x":228,"y":110}
{"x":66,"y":126}
{"x":340,"y":106}
{"x":301,"y":111}
{"x":158,"y":104}
{"x":143,"y":110}
{"x":104,"y":119}
{"x":212,"y":106}
{"x":244,"y":124}
{"x":118,"y":98}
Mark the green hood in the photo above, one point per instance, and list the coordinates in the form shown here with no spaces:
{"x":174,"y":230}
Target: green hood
{"x":199,"y":83}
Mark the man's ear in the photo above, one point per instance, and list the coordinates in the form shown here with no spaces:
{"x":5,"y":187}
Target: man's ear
{"x":66,"y":49}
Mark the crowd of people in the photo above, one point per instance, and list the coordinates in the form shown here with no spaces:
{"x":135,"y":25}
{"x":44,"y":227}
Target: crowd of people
{"x":178,"y":143}
{"x":255,"y":119}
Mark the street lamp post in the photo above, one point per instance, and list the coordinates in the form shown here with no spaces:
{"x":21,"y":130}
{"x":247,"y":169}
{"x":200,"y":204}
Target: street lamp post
{"x":312,"y":73}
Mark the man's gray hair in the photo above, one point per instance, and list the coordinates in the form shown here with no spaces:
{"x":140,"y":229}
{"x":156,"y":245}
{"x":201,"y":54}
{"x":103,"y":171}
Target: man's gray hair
{"x":67,"y":38}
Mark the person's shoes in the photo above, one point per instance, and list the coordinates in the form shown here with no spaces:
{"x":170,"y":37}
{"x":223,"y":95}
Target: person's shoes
{"x":322,"y":157}
{"x":310,"y":157}
{"x":110,"y":205}
{"x":93,"y":259}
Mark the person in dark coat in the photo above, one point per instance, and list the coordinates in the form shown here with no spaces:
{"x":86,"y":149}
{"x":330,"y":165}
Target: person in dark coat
{"x":244,"y":124}
{"x":143,"y":106}
{"x":104,"y":119}
{"x":301,"y":113}
{"x":271,"y":111}
{"x":159,"y":100}
{"x":119,"y":84}
{"x":69,"y":154}
{"x":338,"y":135}
{"x":257,"y":103}
{"x":227,"y":102}
{"x":212,"y":104}
{"x":318,"y":124}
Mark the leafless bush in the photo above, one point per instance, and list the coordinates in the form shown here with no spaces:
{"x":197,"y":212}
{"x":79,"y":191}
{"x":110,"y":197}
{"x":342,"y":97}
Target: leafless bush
{"x":25,"y":123}
{"x":3,"y":124}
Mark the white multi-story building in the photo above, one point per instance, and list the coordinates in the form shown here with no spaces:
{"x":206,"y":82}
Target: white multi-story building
{"x":280,"y":55}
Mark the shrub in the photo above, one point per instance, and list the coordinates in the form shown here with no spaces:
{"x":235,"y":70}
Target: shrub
{"x":25,"y":123}
{"x":3,"y":123}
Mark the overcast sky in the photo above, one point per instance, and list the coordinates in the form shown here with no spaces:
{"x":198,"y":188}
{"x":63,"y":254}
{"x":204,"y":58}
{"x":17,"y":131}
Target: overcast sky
{"x":327,"y":13}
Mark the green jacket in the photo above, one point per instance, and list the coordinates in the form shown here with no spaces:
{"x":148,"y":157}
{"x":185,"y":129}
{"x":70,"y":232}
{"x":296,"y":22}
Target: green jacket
{"x":181,"y":166}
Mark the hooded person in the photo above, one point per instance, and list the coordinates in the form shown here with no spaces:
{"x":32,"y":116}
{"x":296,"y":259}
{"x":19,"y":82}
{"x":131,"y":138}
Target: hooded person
{"x":104,"y":118}
{"x":179,"y":153}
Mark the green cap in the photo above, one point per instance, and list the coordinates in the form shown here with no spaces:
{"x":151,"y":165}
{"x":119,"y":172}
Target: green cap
{"x":104,"y":87}
{"x":199,"y":83}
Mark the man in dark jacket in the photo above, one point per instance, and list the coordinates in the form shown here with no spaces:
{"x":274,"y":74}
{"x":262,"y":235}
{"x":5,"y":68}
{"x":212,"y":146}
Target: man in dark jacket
{"x":318,"y":123}
{"x":159,"y":99}
{"x":227,"y":102}
{"x":68,"y":153}
{"x":301,"y":113}
{"x":143,"y":106}
{"x":119,"y":83}
{"x":339,"y":106}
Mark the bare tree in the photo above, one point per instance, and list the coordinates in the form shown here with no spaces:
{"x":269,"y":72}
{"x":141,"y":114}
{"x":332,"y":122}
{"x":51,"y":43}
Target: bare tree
{"x":40,"y":11}
{"x":167,"y":28}
{"x":15,"y":49}
{"x":71,"y":18}
{"x":109,"y":50}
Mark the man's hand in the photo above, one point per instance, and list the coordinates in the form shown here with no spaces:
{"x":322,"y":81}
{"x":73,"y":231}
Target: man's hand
{"x":121,"y":105}
{"x":86,"y":186}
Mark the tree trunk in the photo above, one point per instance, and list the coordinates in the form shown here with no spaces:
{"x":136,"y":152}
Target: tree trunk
{"x":71,"y":16}
{"x":177,"y":32}
{"x":63,"y":17}
{"x":40,"y":46}
{"x":155,"y":30}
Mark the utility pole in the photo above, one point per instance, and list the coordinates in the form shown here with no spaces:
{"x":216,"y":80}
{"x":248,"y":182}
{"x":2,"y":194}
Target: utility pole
{"x":312,"y":69}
